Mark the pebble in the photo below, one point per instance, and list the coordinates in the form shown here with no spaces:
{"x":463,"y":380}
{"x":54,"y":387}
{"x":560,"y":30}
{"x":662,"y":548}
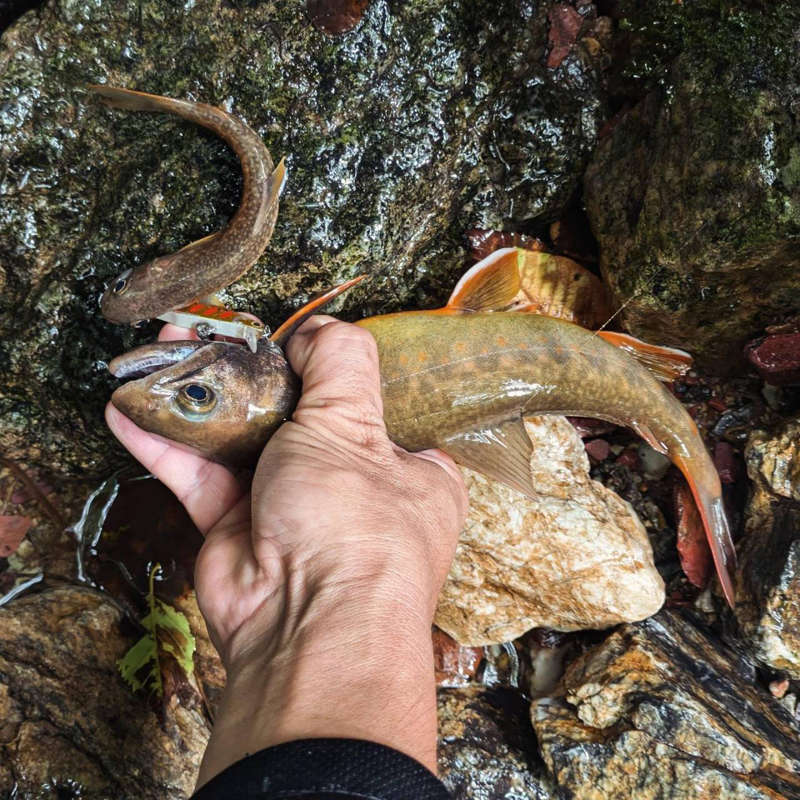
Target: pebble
{"x":776,"y":358}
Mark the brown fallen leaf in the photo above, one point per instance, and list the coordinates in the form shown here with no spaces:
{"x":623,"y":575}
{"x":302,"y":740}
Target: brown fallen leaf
{"x":336,"y":16}
{"x":12,"y":532}
{"x":693,"y":549}
{"x":565,"y":24}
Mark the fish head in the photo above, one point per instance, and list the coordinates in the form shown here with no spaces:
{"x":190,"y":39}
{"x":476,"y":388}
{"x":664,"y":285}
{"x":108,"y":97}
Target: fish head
{"x":217,"y":398}
{"x":129,"y":297}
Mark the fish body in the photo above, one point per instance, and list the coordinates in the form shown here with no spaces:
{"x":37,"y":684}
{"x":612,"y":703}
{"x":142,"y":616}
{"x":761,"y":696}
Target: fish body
{"x":460,"y":381}
{"x":203,"y":267}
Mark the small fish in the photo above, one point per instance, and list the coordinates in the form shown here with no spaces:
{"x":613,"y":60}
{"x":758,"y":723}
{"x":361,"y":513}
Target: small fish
{"x":460,"y":378}
{"x":214,"y":262}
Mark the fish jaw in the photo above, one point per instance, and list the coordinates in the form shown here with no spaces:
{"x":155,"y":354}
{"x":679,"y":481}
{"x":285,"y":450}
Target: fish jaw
{"x":221,"y":400}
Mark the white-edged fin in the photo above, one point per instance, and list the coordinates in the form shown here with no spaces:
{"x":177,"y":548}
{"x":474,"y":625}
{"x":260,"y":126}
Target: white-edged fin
{"x":665,"y":363}
{"x":644,"y":431}
{"x":500,"y":452}
{"x":278,"y":178}
{"x":491,"y":285}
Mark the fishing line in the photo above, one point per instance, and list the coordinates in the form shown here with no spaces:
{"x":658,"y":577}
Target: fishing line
{"x":632,"y":297}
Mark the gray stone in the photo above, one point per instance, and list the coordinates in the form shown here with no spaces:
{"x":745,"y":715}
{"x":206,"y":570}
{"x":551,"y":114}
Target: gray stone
{"x":427,"y":119}
{"x":694,"y":195}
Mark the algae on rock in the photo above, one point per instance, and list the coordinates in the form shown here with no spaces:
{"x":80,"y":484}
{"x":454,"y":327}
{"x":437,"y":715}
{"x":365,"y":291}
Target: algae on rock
{"x":694,"y":196}
{"x":425,"y":120}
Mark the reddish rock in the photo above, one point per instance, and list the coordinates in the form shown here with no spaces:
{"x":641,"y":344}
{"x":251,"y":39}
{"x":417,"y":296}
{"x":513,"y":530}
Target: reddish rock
{"x":598,"y":449}
{"x":455,"y":665}
{"x":12,"y":532}
{"x":693,"y":546}
{"x":482,"y":242}
{"x":776,"y":358}
{"x":725,"y":462}
{"x":629,"y":458}
{"x":336,"y":16}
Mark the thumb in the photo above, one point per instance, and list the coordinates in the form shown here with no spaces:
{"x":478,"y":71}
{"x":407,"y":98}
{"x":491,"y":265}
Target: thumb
{"x":338,"y":365}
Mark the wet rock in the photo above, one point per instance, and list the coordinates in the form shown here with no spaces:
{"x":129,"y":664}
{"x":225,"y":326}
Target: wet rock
{"x":694,"y":195}
{"x":487,"y":750}
{"x":575,"y":557}
{"x":69,"y":726}
{"x":425,"y":120}
{"x":454,"y":665}
{"x":768,"y":578}
{"x":661,"y":710}
{"x":776,"y":358}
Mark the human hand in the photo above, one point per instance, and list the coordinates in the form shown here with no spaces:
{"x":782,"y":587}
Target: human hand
{"x":320,"y":587}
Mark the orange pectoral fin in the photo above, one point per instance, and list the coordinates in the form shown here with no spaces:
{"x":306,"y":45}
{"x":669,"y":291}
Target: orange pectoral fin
{"x":282,"y":334}
{"x":665,"y":363}
{"x":491,"y":285}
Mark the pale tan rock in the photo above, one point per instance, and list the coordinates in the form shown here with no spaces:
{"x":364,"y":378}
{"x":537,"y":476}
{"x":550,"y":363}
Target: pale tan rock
{"x":575,"y":557}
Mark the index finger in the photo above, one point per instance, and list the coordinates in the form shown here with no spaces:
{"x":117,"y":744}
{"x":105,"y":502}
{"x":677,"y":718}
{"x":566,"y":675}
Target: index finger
{"x":207,"y":490}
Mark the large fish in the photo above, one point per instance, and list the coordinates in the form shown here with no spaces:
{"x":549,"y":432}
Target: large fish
{"x":460,"y":378}
{"x":207,"y":265}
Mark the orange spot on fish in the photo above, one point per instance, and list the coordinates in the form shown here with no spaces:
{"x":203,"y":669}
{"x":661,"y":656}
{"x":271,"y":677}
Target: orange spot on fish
{"x":501,"y":341}
{"x":403,"y":359}
{"x":460,"y":347}
{"x":422,"y":356}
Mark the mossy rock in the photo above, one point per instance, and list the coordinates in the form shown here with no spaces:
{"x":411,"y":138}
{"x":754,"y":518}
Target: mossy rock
{"x":694,"y":196}
{"x":425,"y":120}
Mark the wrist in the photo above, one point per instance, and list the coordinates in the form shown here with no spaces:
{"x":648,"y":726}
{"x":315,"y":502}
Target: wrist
{"x":335,"y":660}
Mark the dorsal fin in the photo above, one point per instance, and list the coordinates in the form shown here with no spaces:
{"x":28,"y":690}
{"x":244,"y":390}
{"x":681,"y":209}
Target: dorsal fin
{"x":491,"y":285}
{"x":665,"y":363}
{"x":282,"y":334}
{"x":204,"y":240}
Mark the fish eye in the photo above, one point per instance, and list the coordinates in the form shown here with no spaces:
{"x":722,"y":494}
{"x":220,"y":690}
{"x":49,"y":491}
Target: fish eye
{"x":121,"y":284}
{"x":197,"y":398}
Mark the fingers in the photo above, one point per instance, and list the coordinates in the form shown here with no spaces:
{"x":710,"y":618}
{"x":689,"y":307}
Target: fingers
{"x":207,"y":490}
{"x":172,"y":333}
{"x":338,"y":364}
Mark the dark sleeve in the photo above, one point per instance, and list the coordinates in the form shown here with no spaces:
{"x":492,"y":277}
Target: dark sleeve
{"x":325,"y":769}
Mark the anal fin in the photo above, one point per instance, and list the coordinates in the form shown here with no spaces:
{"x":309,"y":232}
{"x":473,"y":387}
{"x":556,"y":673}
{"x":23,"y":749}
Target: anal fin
{"x":665,"y":363}
{"x":501,"y":452}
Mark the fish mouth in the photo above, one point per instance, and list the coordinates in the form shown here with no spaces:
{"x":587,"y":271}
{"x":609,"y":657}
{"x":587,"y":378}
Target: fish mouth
{"x":150,"y":358}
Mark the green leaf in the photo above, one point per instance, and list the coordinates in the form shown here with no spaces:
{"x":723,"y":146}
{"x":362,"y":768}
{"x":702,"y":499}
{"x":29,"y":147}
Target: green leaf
{"x":167,"y":629}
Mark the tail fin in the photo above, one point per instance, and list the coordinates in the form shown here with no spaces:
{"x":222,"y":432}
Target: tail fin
{"x":712,"y":512}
